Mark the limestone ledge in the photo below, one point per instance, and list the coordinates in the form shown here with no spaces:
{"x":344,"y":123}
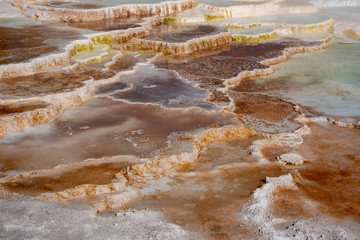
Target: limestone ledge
{"x":299,"y":9}
{"x":198,"y":44}
{"x":259,"y":37}
{"x":36,"y":65}
{"x":78,"y":46}
{"x":291,"y":139}
{"x":138,"y":175}
{"x":284,"y":29}
{"x":303,"y":28}
{"x":130,"y":180}
{"x":250,"y":10}
{"x":58,"y":103}
{"x":287,"y":53}
{"x":47,"y":13}
{"x":261,"y":9}
{"x":331,"y":120}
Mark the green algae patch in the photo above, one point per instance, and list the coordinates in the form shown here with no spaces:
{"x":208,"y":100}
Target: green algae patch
{"x":349,"y":33}
{"x":226,"y":12}
{"x":327,"y":40}
{"x":172,"y":20}
{"x":77,"y":48}
{"x":231,"y":26}
{"x":97,"y":54}
{"x":255,"y":38}
{"x":209,"y":17}
{"x":313,"y":28}
{"x":254,"y":25}
{"x":102,"y":39}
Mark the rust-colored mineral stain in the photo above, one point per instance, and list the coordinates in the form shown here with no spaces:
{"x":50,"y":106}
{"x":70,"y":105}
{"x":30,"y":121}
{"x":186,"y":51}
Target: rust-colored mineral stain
{"x":21,"y":44}
{"x":123,"y":63}
{"x":217,"y":96}
{"x":41,"y":83}
{"x":21,"y":107}
{"x":263,"y":107}
{"x":223,"y":153}
{"x":332,"y":176}
{"x":208,"y":203}
{"x":273,"y":151}
{"x":288,"y":202}
{"x":71,"y":177}
{"x":254,"y":86}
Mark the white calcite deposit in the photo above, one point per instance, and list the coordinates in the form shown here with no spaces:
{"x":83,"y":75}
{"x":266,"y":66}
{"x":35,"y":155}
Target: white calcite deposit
{"x":291,"y":158}
{"x":28,"y":216}
{"x":257,"y":213}
{"x":49,"y":13}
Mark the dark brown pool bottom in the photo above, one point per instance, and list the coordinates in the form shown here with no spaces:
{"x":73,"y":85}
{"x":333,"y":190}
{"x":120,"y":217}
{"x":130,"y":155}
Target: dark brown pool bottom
{"x":27,"y":42}
{"x":6,"y":109}
{"x":70,"y":5}
{"x":177,"y":33}
{"x":59,"y":80}
{"x":212,"y":69}
{"x":263,"y":107}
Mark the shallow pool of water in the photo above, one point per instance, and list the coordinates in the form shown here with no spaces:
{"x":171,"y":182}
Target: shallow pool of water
{"x":328,"y":81}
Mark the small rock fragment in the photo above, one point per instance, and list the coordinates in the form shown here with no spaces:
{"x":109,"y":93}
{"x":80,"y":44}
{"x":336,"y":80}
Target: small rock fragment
{"x":291,"y":158}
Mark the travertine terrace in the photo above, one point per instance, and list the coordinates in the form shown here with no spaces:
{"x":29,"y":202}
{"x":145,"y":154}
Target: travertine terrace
{"x":182,"y":119}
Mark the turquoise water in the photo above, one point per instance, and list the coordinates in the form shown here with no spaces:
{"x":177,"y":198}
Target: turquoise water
{"x":328,"y":81}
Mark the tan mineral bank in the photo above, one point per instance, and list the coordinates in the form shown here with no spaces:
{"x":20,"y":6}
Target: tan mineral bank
{"x":180,"y":119}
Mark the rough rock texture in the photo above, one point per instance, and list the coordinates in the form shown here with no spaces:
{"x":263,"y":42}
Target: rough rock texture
{"x":211,"y":39}
{"x":29,"y":218}
{"x":249,"y":10}
{"x":291,"y":158}
{"x":268,"y":226}
{"x":48,"y":13}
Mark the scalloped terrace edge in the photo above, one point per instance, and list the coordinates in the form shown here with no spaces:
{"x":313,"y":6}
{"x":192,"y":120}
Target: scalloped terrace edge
{"x":21,"y":122}
{"x":46,"y":13}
